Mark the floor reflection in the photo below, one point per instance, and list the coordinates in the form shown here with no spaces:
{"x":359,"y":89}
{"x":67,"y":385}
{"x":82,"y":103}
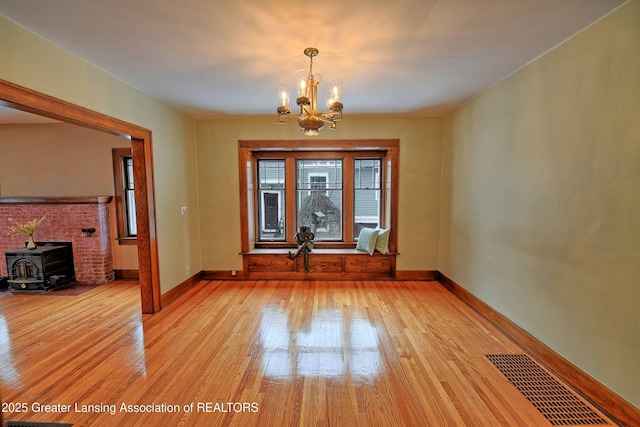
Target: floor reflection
{"x":8,"y":373}
{"x":331,"y":345}
{"x":138,"y":350}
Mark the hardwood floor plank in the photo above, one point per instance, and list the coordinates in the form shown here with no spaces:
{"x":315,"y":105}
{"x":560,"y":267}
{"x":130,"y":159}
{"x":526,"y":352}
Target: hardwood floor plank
{"x":258,"y":353}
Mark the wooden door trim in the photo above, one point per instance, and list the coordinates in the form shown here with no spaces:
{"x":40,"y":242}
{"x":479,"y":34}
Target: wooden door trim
{"x":25,"y":99}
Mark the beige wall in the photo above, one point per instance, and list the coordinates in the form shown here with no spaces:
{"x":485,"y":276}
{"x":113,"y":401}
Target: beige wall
{"x":59,"y":159}
{"x":420,"y":163}
{"x":56,"y":159}
{"x":33,"y":62}
{"x":541,"y":199}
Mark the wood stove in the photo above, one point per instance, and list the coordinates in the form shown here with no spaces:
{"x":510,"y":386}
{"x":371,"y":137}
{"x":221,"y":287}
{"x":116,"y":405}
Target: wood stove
{"x":47,"y":267}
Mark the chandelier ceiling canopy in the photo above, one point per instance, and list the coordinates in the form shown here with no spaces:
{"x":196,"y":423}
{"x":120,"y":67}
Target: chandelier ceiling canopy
{"x":309,"y":119}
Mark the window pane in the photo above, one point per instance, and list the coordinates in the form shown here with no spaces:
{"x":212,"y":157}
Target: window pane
{"x":130,"y":200}
{"x":319,"y":185}
{"x":271,"y":199}
{"x":367,"y":194}
{"x":131,"y":214}
{"x":129,"y":168}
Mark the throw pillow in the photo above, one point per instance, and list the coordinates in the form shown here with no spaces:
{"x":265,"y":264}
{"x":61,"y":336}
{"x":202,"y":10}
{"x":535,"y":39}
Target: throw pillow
{"x":367,"y":240}
{"x":382,"y":241}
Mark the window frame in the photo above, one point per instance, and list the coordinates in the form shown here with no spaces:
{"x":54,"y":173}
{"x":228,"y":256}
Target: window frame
{"x":306,"y":162}
{"x":119,"y":173}
{"x":377,"y":178}
{"x":251,"y":150}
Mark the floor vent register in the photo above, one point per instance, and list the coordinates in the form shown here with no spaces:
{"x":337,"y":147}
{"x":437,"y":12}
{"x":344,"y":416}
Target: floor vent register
{"x":559,"y":405}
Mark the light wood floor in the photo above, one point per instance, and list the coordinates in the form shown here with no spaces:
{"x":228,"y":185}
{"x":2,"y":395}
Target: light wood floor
{"x":276,"y":353}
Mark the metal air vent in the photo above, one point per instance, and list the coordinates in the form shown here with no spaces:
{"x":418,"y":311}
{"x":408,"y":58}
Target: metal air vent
{"x":551,"y":398}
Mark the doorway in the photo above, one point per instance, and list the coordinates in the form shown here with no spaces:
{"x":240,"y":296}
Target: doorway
{"x":21,"y":98}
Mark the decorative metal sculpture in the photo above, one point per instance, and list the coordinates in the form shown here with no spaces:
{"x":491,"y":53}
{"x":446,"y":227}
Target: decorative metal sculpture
{"x":305,"y":239}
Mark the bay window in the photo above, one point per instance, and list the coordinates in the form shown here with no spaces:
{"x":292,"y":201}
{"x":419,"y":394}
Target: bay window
{"x":336,"y":190}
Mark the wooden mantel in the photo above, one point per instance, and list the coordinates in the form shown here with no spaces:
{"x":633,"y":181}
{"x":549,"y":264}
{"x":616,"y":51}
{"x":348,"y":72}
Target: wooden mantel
{"x":55,"y":200}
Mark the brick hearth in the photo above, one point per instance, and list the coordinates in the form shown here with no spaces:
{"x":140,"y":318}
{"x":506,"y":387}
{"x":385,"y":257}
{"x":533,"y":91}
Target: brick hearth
{"x":64,"y":220}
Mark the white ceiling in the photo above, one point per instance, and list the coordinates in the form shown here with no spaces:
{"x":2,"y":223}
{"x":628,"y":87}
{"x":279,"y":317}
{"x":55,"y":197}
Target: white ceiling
{"x":213,"y":57}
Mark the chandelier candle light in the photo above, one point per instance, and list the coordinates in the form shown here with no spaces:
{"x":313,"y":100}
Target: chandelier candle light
{"x":309,"y":119}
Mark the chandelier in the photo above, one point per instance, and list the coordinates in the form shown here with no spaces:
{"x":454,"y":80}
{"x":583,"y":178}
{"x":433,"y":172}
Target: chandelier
{"x":309,"y":119}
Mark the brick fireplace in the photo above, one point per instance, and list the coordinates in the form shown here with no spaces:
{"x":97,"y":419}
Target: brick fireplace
{"x":65,"y":220}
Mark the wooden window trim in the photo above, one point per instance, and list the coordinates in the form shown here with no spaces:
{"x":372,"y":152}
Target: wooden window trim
{"x":249,"y":150}
{"x":118,"y":177}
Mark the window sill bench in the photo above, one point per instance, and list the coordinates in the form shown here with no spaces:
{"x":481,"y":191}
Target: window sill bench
{"x":324,"y":264}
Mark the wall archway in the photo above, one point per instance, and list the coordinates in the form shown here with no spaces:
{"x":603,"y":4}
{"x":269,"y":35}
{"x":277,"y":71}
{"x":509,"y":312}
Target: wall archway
{"x":21,"y":98}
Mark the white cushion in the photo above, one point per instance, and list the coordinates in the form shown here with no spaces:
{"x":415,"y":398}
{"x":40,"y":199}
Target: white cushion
{"x":382,"y":241}
{"x":367,"y":240}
